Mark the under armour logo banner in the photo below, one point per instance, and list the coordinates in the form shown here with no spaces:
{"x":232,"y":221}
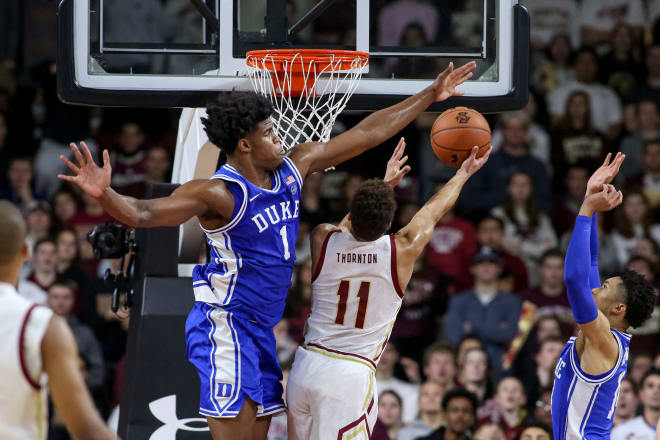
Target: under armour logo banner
{"x":164,"y":409}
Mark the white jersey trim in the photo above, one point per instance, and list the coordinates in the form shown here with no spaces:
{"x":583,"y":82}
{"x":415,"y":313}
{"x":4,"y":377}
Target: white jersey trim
{"x":276,"y":178}
{"x":239,"y":214}
{"x":595,"y":379}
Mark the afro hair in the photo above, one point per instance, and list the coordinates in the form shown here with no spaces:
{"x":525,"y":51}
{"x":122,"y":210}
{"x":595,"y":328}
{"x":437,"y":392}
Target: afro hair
{"x":232,"y":116}
{"x":640,"y":298}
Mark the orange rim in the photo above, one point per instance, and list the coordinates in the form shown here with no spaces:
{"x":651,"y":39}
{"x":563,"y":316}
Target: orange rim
{"x":321,"y":57}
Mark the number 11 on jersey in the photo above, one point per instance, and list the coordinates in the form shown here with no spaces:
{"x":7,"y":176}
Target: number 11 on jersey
{"x":363,"y":295}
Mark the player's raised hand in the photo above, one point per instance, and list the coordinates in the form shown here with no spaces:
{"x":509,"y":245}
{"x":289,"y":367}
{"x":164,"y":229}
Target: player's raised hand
{"x":91,"y":178}
{"x":604,"y":175}
{"x":473,"y":163}
{"x":447,"y":81}
{"x":605,"y":200}
{"x":395,"y":166}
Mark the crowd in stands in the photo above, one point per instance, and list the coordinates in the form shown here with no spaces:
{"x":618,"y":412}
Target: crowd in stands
{"x":485,"y":315}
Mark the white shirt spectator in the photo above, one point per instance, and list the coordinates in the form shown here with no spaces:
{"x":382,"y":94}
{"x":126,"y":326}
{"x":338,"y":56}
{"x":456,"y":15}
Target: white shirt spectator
{"x":415,"y":430}
{"x":625,"y":245}
{"x":32,"y":292}
{"x":408,"y":392}
{"x":603,"y":15}
{"x":635,"y":429}
{"x":605,"y":104}
{"x":553,"y":17}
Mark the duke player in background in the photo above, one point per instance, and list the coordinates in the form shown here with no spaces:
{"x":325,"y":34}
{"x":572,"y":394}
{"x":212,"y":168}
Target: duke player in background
{"x":249,"y":212}
{"x":360,"y":274}
{"x":593,"y":364}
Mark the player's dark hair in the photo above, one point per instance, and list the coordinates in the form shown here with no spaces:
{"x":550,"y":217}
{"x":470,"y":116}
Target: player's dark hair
{"x":372,"y":209}
{"x":640,"y":298}
{"x":553,"y":252}
{"x":232,"y":116}
{"x":460,"y":393}
{"x":651,"y":372}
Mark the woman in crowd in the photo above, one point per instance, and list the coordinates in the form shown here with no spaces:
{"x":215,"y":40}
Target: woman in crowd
{"x":473,"y":374}
{"x":527,"y":231}
{"x":557,"y":70}
{"x":389,"y":416}
{"x":632,"y":223}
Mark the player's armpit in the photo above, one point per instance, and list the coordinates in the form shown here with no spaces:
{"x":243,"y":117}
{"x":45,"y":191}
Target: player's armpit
{"x":598,"y":337}
{"x":67,"y":386}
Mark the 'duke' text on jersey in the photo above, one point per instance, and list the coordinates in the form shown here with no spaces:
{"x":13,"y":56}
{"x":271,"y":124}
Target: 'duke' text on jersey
{"x":352,"y":257}
{"x":276,"y":214}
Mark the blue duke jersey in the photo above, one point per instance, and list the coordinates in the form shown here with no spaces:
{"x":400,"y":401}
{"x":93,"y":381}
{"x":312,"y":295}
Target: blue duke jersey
{"x":583,"y":405}
{"x":251,"y":260}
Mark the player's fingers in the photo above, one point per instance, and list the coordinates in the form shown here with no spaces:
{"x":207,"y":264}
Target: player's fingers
{"x":79,"y":157}
{"x":88,"y":154}
{"x":66,"y":178}
{"x":466,"y":67}
{"x":459,"y":93}
{"x":607,"y":159}
{"x":70,"y":164}
{"x":406,"y":169}
{"x":106,"y":159}
{"x":403,"y":160}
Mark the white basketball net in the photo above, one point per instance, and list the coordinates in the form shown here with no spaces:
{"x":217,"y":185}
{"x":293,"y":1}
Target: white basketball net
{"x":310,"y":117}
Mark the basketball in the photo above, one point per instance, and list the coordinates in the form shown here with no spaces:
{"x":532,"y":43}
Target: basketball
{"x":456,"y":131}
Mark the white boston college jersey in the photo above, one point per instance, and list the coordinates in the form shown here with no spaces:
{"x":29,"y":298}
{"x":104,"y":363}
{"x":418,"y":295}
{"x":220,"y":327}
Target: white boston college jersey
{"x":355,"y":297}
{"x":23,"y":404}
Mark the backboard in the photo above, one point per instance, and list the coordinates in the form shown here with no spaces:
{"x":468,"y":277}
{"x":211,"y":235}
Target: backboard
{"x":178,"y":53}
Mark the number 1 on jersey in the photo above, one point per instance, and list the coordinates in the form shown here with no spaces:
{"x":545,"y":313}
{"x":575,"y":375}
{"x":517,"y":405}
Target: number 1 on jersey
{"x":363,"y":294}
{"x":285,"y":242}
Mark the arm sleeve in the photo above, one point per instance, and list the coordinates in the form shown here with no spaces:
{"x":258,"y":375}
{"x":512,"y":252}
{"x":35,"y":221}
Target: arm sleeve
{"x":576,"y":272}
{"x":594,"y":275}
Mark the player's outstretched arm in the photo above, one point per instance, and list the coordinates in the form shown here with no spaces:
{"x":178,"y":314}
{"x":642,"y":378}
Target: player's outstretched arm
{"x":415,"y":236}
{"x":379,"y":126}
{"x":602,"y":176}
{"x":577,"y":267}
{"x":67,"y":386}
{"x":194,"y":198}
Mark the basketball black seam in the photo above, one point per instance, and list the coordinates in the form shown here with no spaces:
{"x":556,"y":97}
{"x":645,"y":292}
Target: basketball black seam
{"x":459,"y":128}
{"x":453,"y":149}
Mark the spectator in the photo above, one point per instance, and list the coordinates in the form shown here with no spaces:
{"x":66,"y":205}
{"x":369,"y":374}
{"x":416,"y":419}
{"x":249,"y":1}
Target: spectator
{"x":128,"y":160}
{"x":60,"y":300}
{"x":489,"y":431}
{"x":557,"y":70}
{"x":633,"y":222}
{"x":536,"y":372}
{"x":626,"y":406}
{"x":567,"y":200}
{"x":5,"y":149}
{"x":468,"y":343}
{"x":486,"y":189}
{"x":650,"y":88}
{"x":537,"y":136}
{"x":439,"y":365}
{"x":624,"y":69}
{"x":414,"y":67}
{"x":646,"y":337}
{"x":473,"y":374}
{"x":21,"y":187}
{"x":643,"y":426}
{"x":527,"y":231}
{"x":506,"y":409}
{"x":396,"y":16}
{"x":647,"y":130}
{"x":490,"y":233}
{"x":91,"y":215}
{"x":157,"y":170}
{"x":638,"y":367}
{"x":649,"y":178}
{"x":460,"y":408}
{"x":575,"y":140}
{"x":599,"y":18}
{"x":550,"y":18}
{"x":550,"y":295}
{"x":385,"y":381}
{"x":389,"y":416}
{"x":35,"y":286}
{"x":66,"y":204}
{"x":68,"y":268}
{"x":39,"y":221}
{"x":285,"y":346}
{"x":607,"y":120}
{"x":451,"y":247}
{"x":485,"y":311}
{"x":430,"y":412}
{"x":542,"y":409}
{"x":535,"y":431}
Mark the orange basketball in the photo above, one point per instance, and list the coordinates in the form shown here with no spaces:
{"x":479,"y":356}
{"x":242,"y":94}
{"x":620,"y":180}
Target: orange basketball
{"x":456,"y":131}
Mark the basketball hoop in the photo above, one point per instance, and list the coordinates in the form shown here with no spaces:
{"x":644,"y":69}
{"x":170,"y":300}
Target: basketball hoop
{"x":308,"y":88}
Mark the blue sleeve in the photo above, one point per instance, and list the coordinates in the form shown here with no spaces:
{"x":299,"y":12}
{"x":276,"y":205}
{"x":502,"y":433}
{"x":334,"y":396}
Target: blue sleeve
{"x":594,"y":274}
{"x":576,"y":272}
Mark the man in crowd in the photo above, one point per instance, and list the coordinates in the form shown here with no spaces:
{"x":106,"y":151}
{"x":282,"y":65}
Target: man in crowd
{"x":430,"y":412}
{"x":506,"y":409}
{"x":626,"y":406}
{"x":643,"y":427}
{"x":460,"y":408}
{"x":35,"y":287}
{"x":385,"y":380}
{"x":439,"y":365}
{"x":632,"y":145}
{"x":487,"y":312}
